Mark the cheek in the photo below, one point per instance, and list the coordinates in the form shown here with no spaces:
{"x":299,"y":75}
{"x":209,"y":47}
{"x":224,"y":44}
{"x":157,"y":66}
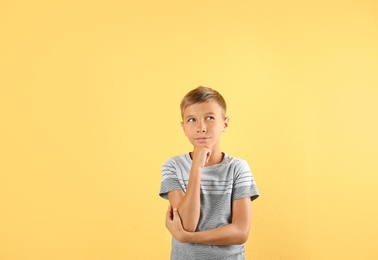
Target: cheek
{"x":188,"y":129}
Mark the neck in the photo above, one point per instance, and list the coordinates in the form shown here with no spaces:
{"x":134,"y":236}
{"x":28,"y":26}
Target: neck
{"x":215,"y":158}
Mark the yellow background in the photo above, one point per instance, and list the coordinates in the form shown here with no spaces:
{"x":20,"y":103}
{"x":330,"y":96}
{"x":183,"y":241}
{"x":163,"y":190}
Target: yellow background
{"x":89,"y":111}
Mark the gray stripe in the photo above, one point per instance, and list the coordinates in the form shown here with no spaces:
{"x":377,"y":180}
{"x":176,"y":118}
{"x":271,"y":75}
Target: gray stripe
{"x":220,"y":185}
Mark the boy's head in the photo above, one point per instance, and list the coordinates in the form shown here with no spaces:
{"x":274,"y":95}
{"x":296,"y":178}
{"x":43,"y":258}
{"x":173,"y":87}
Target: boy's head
{"x":200,"y":95}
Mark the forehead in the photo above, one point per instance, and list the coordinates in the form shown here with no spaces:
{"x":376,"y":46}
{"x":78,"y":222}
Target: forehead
{"x":202,"y":108}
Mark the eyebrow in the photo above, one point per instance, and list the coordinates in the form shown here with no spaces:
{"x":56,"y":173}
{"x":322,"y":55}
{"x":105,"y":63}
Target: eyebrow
{"x":188,"y":116}
{"x":207,"y":114}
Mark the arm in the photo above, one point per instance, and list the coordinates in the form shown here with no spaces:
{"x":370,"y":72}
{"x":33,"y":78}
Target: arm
{"x":235,"y":233}
{"x":188,"y":204}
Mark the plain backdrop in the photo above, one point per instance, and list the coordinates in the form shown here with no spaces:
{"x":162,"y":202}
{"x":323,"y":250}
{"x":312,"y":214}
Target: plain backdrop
{"x":89,"y":111}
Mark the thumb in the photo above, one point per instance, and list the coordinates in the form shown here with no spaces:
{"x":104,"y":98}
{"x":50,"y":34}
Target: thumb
{"x":208,"y":155}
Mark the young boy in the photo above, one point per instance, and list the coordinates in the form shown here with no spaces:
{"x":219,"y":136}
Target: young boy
{"x":209,"y":191}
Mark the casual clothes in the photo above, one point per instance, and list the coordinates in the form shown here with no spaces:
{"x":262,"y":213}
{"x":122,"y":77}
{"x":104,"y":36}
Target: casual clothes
{"x":221,"y":184}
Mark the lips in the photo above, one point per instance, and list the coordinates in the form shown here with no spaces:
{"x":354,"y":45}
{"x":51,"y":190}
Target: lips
{"x":202,"y":139}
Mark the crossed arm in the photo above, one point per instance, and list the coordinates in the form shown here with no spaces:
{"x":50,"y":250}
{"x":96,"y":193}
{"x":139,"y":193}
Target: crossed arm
{"x":184,"y":211}
{"x":235,"y":233}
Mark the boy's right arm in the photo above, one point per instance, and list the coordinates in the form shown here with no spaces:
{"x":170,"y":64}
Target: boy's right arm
{"x":188,"y":203}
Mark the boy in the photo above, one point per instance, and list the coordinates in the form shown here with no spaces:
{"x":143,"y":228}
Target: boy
{"x":209,"y":191}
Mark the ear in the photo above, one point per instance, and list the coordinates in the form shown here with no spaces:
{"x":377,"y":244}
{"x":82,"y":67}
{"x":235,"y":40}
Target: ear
{"x":225,"y":123}
{"x":183,"y":127}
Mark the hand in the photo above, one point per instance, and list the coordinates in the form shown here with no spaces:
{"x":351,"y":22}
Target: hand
{"x":201,"y":156}
{"x":174,"y":225}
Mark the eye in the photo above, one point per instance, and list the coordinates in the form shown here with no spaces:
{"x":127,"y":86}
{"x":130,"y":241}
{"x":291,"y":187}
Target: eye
{"x":209,"y":118}
{"x":190,"y":120}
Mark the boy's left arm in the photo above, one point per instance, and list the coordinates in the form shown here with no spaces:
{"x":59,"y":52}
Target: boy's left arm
{"x":235,"y":233}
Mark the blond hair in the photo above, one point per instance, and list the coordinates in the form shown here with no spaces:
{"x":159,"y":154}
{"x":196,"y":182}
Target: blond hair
{"x":200,"y":95}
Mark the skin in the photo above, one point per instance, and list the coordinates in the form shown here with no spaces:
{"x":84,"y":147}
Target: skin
{"x":203,"y":124}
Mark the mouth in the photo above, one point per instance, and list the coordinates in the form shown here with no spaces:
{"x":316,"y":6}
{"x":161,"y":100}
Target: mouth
{"x":202,"y":139}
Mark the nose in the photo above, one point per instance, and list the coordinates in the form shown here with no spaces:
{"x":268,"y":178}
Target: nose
{"x":201,"y":128}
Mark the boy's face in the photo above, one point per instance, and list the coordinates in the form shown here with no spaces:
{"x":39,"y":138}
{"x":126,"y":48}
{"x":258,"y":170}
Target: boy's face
{"x":203,"y":124}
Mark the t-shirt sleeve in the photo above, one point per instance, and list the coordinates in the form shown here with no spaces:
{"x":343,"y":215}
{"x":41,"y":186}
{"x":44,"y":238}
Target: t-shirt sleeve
{"x":244,"y":183}
{"x":169,"y":179}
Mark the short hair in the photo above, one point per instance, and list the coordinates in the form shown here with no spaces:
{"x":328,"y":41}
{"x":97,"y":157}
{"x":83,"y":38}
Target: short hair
{"x":200,"y":95}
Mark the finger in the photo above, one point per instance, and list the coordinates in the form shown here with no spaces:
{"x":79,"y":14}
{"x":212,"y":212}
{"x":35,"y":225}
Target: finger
{"x":175,"y":214}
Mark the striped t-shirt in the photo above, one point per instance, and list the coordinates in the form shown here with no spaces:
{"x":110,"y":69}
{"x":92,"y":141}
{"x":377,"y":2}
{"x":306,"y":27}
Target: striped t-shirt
{"x":220,"y":185}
